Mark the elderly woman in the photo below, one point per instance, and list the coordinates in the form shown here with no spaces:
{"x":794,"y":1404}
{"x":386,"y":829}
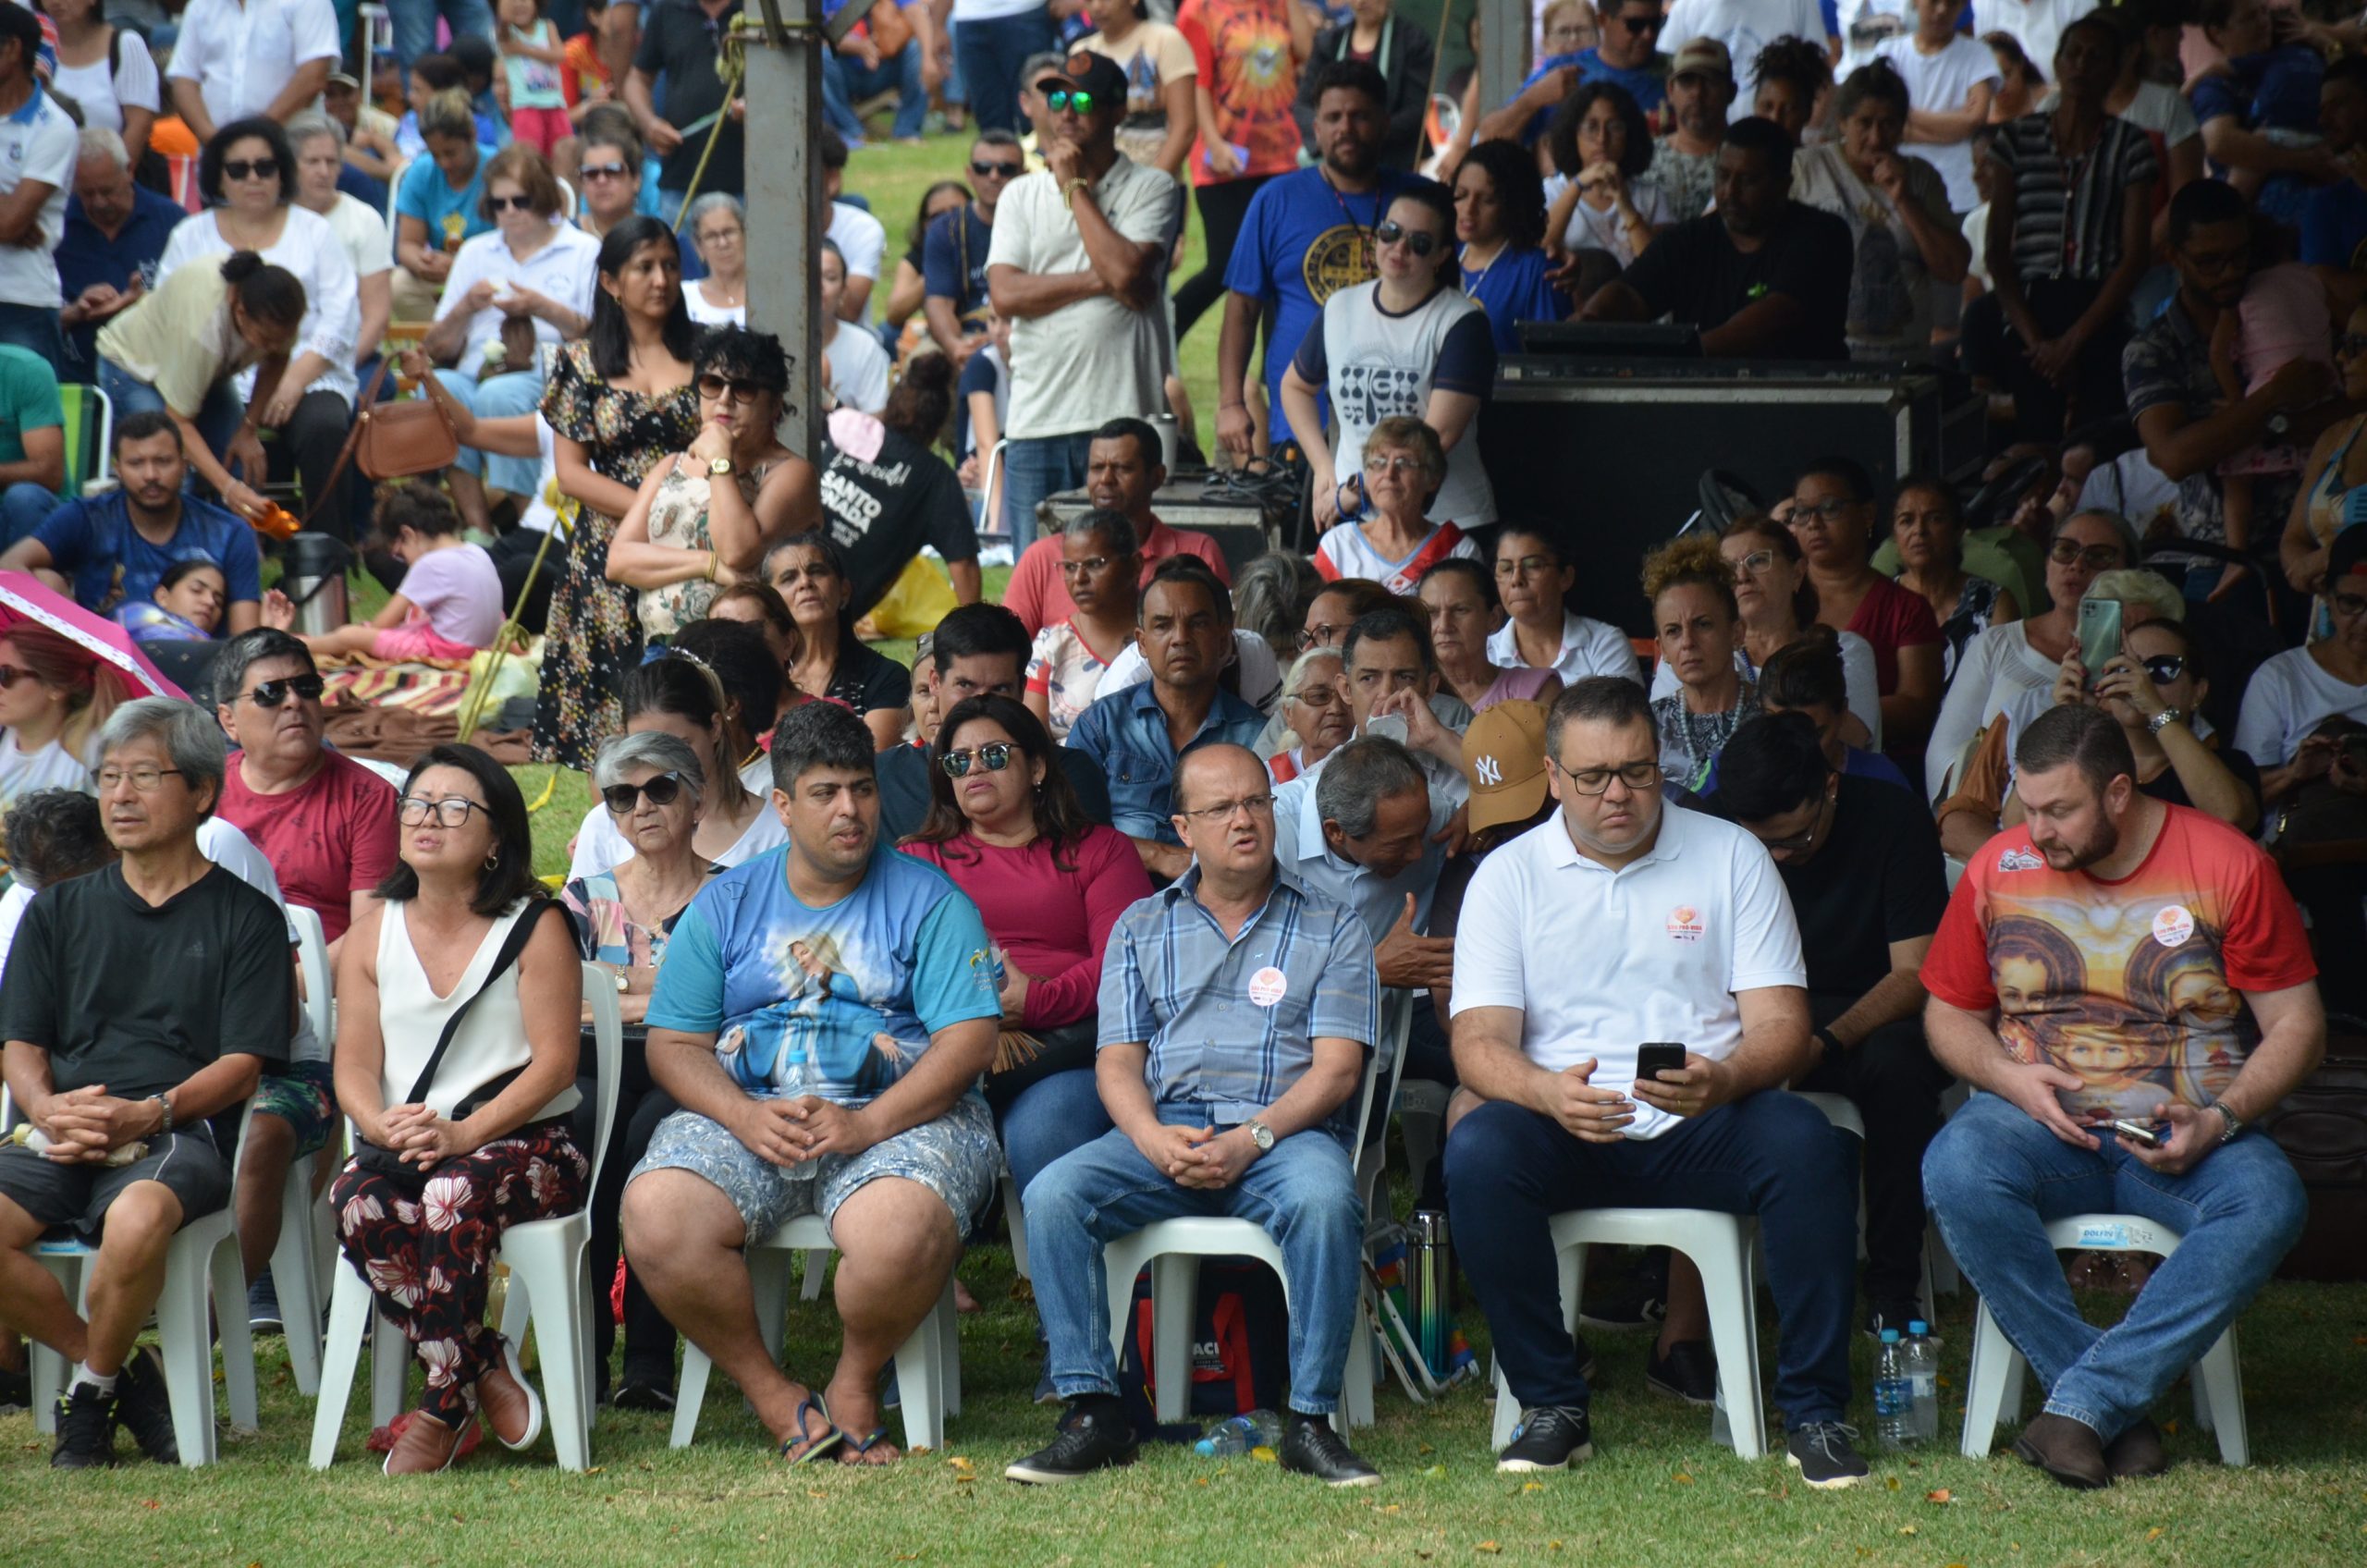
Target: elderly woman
{"x":1598,"y":199}
{"x":450,"y":1159}
{"x":53,"y":703}
{"x":717,"y":225}
{"x":651,"y":786}
{"x":1102,"y":567}
{"x":249,"y":172}
{"x":1391,"y":540}
{"x":706,"y":517}
{"x":677,"y":697}
{"x":1314,"y":713}
{"x":1500,"y":232}
{"x":810,"y":573}
{"x":1692,"y":591}
{"x":319,"y":144}
{"x":1460,"y":596}
{"x":438,"y":202}
{"x":1929,"y":530}
{"x":1420,"y":345}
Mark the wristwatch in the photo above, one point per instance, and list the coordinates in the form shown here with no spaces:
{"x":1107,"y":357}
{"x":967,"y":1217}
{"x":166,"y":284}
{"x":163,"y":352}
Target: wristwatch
{"x":1076,"y":184}
{"x":624,"y":982}
{"x":1260,"y":1135}
{"x":2235,"y":1126}
{"x":718,"y":467}
{"x":1825,"y":1037}
{"x":2163,"y":719}
{"x":165,"y":1109}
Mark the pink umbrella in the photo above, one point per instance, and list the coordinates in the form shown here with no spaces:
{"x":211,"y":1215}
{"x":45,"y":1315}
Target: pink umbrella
{"x":24,"y":598}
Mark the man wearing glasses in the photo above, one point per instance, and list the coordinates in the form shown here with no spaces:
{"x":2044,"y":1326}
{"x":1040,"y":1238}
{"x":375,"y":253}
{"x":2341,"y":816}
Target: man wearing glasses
{"x":953,"y":252}
{"x":1621,"y":921}
{"x":1236,"y":1009}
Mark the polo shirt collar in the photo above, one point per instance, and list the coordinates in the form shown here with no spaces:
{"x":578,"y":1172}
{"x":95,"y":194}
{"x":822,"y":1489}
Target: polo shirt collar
{"x":1563,"y":852}
{"x":31,"y":110}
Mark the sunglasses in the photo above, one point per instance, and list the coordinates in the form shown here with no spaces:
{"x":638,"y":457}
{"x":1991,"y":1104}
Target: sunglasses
{"x":259,"y":169}
{"x":603,"y":171}
{"x":990,"y":168}
{"x":993,"y":756}
{"x":10,"y":675}
{"x":1420,"y":241}
{"x":2162,"y":669}
{"x":271,"y":693}
{"x":1643,"y":24}
{"x":663,"y":791}
{"x":718,"y":387}
{"x":496,"y":205}
{"x":2095,"y":558}
{"x":1065,"y":98}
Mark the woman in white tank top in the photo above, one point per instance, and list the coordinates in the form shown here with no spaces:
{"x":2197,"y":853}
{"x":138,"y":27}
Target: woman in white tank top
{"x":488,"y":1133}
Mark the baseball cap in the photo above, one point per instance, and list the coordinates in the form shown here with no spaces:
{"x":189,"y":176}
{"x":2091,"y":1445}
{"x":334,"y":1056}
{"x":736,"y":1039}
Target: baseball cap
{"x":1703,"y":56}
{"x":1088,"y":72}
{"x":345,"y":79}
{"x":1503,"y":755}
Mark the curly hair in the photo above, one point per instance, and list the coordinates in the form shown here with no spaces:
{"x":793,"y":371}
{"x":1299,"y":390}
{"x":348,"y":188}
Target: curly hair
{"x":1562,"y":131}
{"x":1692,"y":560}
{"x":1520,"y":194}
{"x":1799,"y":61}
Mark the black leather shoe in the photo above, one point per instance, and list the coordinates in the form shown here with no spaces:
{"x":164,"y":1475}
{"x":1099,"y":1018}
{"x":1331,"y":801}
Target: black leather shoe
{"x":85,"y":1430}
{"x":1095,"y":1437}
{"x":1311,"y":1448}
{"x":2136,"y":1452}
{"x":1688,"y":1372}
{"x":2069,"y":1450}
{"x":144,"y":1409}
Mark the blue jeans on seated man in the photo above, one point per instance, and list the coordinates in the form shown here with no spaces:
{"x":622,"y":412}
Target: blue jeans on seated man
{"x":1994,"y":1178}
{"x":304,"y":449}
{"x":847,"y":81}
{"x":24,"y":507}
{"x":1509,"y":1170}
{"x":1036,"y":469}
{"x":35,"y":328}
{"x":1302,"y":1194}
{"x":496,"y":397}
{"x":1052,"y":1117}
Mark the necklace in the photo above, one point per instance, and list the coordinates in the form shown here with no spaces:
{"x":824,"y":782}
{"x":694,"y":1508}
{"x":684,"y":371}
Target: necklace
{"x":1471,"y":275}
{"x":1364,"y":232}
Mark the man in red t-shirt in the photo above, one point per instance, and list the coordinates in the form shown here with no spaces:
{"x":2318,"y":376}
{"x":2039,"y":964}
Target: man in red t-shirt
{"x":2114,"y":960}
{"x":1122,"y":472}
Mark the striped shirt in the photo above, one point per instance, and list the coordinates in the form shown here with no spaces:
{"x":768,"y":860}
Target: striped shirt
{"x":1231,"y":1023}
{"x":2068,"y":211}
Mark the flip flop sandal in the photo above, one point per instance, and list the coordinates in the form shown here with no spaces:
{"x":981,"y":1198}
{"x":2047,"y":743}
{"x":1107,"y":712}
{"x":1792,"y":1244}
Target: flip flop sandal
{"x":853,"y":1450}
{"x":815,"y":1447}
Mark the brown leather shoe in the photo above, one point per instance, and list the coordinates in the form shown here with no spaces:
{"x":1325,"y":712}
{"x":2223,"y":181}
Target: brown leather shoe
{"x":2069,"y":1450}
{"x":426,"y":1447}
{"x":507,"y":1401}
{"x":2136,"y":1452}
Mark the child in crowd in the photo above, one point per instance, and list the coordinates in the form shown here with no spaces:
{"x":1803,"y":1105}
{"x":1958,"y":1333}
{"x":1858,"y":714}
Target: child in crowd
{"x":185,"y":607}
{"x":449,"y":605}
{"x":533,"y":60}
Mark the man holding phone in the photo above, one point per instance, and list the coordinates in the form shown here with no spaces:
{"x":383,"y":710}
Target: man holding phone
{"x":1621,"y":921}
{"x":2116,"y":960}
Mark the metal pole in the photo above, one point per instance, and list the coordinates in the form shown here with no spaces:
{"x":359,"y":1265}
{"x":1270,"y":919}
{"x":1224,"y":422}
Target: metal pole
{"x":1503,"y":50}
{"x":787,"y":217}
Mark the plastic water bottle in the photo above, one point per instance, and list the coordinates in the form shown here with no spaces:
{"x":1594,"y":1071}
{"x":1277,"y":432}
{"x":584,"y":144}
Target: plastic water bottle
{"x":1923,"y":1380}
{"x":1893,"y":1396}
{"x":1239,"y":1434}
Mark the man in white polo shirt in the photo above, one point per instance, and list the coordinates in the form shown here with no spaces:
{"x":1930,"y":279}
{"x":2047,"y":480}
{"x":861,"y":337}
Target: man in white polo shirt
{"x":242,"y":58}
{"x":1621,"y":921}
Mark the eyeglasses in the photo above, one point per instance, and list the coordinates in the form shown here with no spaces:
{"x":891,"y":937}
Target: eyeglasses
{"x":1820,"y":513}
{"x":271,"y":693}
{"x":1801,"y":844}
{"x":1318,"y":637}
{"x":1400,"y":463}
{"x":1643,"y":24}
{"x":452,"y":811}
{"x":1420,"y":241}
{"x":255,"y":168}
{"x":1527,"y":566}
{"x":621,"y":799}
{"x":2162,"y":669}
{"x":604,"y":171}
{"x":2351,"y":606}
{"x":1315,"y":695}
{"x":498,"y":205}
{"x":2350,"y":343}
{"x":1064,"y":98}
{"x":144,"y":779}
{"x":1638,"y":776}
{"x":1217,"y":815}
{"x":1754,"y":563}
{"x":719,"y":387}
{"x":993,"y":756}
{"x":1090,"y":566}
{"x":2095,"y":558}
{"x":994,"y":168}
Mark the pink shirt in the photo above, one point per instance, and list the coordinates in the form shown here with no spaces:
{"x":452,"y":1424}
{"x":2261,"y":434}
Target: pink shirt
{"x":459,"y":590}
{"x":1039,"y":598}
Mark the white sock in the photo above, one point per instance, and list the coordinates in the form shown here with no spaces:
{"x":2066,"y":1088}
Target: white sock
{"x":82,"y":1374}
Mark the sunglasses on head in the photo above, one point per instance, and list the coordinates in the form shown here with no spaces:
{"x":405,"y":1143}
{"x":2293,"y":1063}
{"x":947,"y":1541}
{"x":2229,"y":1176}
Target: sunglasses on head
{"x":1068,"y":98}
{"x":496,"y":205}
{"x":663,"y":791}
{"x":718,"y":387}
{"x":993,"y":756}
{"x":271,"y":693}
{"x":993,"y":169}
{"x":1420,"y":241}
{"x":256,"y":168}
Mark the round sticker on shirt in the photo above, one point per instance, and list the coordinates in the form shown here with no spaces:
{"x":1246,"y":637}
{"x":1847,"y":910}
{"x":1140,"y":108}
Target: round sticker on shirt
{"x":1268,"y":985}
{"x":2173,"y":926}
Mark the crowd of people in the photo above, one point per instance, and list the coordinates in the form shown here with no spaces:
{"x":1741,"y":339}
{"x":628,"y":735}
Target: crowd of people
{"x":1113,"y":888}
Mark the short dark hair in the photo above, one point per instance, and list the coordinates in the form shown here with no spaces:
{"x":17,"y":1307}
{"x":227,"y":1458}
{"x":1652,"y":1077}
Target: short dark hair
{"x":2204,"y":200}
{"x":1879,"y":81}
{"x":413,"y":504}
{"x":743,"y":663}
{"x":510,"y":875}
{"x":1597,"y":699}
{"x":1352,"y":75}
{"x":1772,"y":764}
{"x":1115,"y":529}
{"x":814,"y":735}
{"x":55,"y":836}
{"x":745,"y":355}
{"x":1806,"y":673}
{"x":1192,"y":569}
{"x":26,"y":30}
{"x":1060,"y":817}
{"x":831,"y":148}
{"x":145,"y":425}
{"x":474,"y":56}
{"x":1482,"y":581}
{"x":249,"y":649}
{"x":522,"y":162}
{"x":1756,"y":133}
{"x":1849,"y":471}
{"x":981,"y":630}
{"x":1147,"y":443}
{"x":2087,"y":738}
{"x":440,"y":71}
{"x":1386,"y":625}
{"x":270,"y":131}
{"x":1359,"y":776}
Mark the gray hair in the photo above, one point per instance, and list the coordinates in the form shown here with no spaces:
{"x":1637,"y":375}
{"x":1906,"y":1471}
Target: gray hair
{"x":1359,"y":776}
{"x":1271,"y":595}
{"x":650,"y":748}
{"x":2135,"y":585}
{"x":189,"y":733}
{"x":98,"y":142}
{"x":2132,"y":547}
{"x":312,"y":125}
{"x":1302,"y":667}
{"x":713,"y":202}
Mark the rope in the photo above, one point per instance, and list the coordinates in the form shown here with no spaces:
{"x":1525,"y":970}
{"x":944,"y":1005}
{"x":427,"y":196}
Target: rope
{"x":511,"y":634}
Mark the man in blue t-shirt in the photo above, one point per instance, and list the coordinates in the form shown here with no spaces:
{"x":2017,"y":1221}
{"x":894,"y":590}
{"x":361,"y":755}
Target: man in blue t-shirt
{"x":1626,"y":54}
{"x":115,"y":235}
{"x":110,"y":549}
{"x":822,"y":1017}
{"x":1306,"y":235}
{"x":954,"y":250}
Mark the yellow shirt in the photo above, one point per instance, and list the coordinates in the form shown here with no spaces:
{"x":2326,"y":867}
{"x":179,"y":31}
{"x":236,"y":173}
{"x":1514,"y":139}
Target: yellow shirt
{"x":180,"y":338}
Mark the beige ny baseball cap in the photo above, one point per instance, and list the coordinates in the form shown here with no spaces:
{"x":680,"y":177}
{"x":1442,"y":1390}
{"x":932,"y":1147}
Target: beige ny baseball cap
{"x":1503,"y":755}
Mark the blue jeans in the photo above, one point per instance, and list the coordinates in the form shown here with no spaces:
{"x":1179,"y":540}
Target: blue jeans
{"x":846,"y":80}
{"x":24,"y":507}
{"x":514,"y":392}
{"x":992,"y":54}
{"x":35,"y":328}
{"x":1051,"y":1117}
{"x":1302,"y":1194}
{"x":218,"y":421}
{"x":1993,"y":1177}
{"x":1509,"y":1170}
{"x":415,"y":24}
{"x":1034,"y":470}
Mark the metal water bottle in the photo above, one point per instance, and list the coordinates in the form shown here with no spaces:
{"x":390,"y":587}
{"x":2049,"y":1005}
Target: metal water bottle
{"x":1430,"y":1275}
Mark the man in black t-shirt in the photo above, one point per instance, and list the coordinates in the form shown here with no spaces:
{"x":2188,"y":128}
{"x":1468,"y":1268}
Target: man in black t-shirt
{"x":1862,"y":860}
{"x":884,"y":496}
{"x":140,"y":1002}
{"x":681,"y":42}
{"x":1764,"y":276}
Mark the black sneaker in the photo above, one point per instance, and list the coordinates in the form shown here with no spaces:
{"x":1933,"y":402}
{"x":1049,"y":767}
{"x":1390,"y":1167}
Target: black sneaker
{"x":85,"y":1430}
{"x":640,"y":1391}
{"x":1825,"y":1454}
{"x":1090,"y":1438}
{"x":1688,"y":1372}
{"x":1311,"y":1448}
{"x":1894,"y":1314}
{"x":1548,"y":1438}
{"x":16,"y":1391}
{"x":262,"y":1306}
{"x":143,"y":1408}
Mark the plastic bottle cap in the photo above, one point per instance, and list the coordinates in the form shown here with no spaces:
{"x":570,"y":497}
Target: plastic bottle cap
{"x":1890,"y":1336}
{"x":1917,"y":1325}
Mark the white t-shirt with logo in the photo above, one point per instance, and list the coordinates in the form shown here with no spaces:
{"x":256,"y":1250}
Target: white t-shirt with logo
{"x":38,"y":144}
{"x":1377,"y":365}
{"x":1940,"y":83}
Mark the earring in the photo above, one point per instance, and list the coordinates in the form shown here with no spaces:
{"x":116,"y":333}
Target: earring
{"x":493,"y":860}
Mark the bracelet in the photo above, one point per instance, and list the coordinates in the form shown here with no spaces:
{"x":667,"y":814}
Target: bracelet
{"x":1076,"y":184}
{"x":1825,"y":1039}
{"x":714,"y":560}
{"x":2234,"y":1124}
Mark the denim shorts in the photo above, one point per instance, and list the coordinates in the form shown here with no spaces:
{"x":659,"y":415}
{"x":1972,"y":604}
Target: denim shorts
{"x":305,"y":1097}
{"x":954,"y":1156}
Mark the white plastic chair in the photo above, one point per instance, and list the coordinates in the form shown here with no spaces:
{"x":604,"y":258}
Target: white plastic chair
{"x":1994,"y":1380}
{"x":296,"y":1261}
{"x":548,"y":1279}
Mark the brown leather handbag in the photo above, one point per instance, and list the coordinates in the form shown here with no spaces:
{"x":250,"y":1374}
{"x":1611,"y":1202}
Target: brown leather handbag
{"x":392,"y":440}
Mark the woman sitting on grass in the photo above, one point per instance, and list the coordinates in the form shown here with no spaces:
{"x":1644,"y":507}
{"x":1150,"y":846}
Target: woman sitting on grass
{"x":449,"y":605}
{"x":186,"y":606}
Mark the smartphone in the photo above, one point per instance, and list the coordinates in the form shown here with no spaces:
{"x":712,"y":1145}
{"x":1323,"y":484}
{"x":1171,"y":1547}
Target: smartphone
{"x":2354,"y":746}
{"x":1656,"y":1055}
{"x":2099,"y":635}
{"x":2146,"y":1133}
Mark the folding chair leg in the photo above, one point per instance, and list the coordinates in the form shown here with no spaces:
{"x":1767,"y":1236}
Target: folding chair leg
{"x":189,"y":1355}
{"x":228,"y":1278}
{"x":350,"y":1310}
{"x":1726,"y":1280}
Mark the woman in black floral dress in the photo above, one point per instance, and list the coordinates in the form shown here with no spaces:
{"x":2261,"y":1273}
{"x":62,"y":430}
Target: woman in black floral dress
{"x":618,"y":403}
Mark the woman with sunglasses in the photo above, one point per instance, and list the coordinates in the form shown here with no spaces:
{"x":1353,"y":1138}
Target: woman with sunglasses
{"x":248,"y":172}
{"x":1314,"y":714}
{"x":609,"y":184}
{"x":705,"y":518}
{"x":1162,"y":82}
{"x":810,"y":573}
{"x":55,"y":696}
{"x":1102,"y":567}
{"x":679,"y":696}
{"x":1005,"y":826}
{"x":1388,"y":538}
{"x":1413,"y":334}
{"x":1928,"y":527}
{"x":1778,"y":606}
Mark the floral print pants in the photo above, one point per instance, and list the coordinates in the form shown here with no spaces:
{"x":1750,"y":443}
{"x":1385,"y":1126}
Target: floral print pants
{"x":428,"y":1258}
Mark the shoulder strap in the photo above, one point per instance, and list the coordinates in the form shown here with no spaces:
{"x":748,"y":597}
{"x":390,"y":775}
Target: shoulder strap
{"x":512,"y":946}
{"x":362,"y":407}
{"x":115,"y":52}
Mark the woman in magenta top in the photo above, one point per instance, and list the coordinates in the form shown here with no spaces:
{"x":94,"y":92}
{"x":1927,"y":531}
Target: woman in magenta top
{"x":1834,"y":518}
{"x":1004,"y":824}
